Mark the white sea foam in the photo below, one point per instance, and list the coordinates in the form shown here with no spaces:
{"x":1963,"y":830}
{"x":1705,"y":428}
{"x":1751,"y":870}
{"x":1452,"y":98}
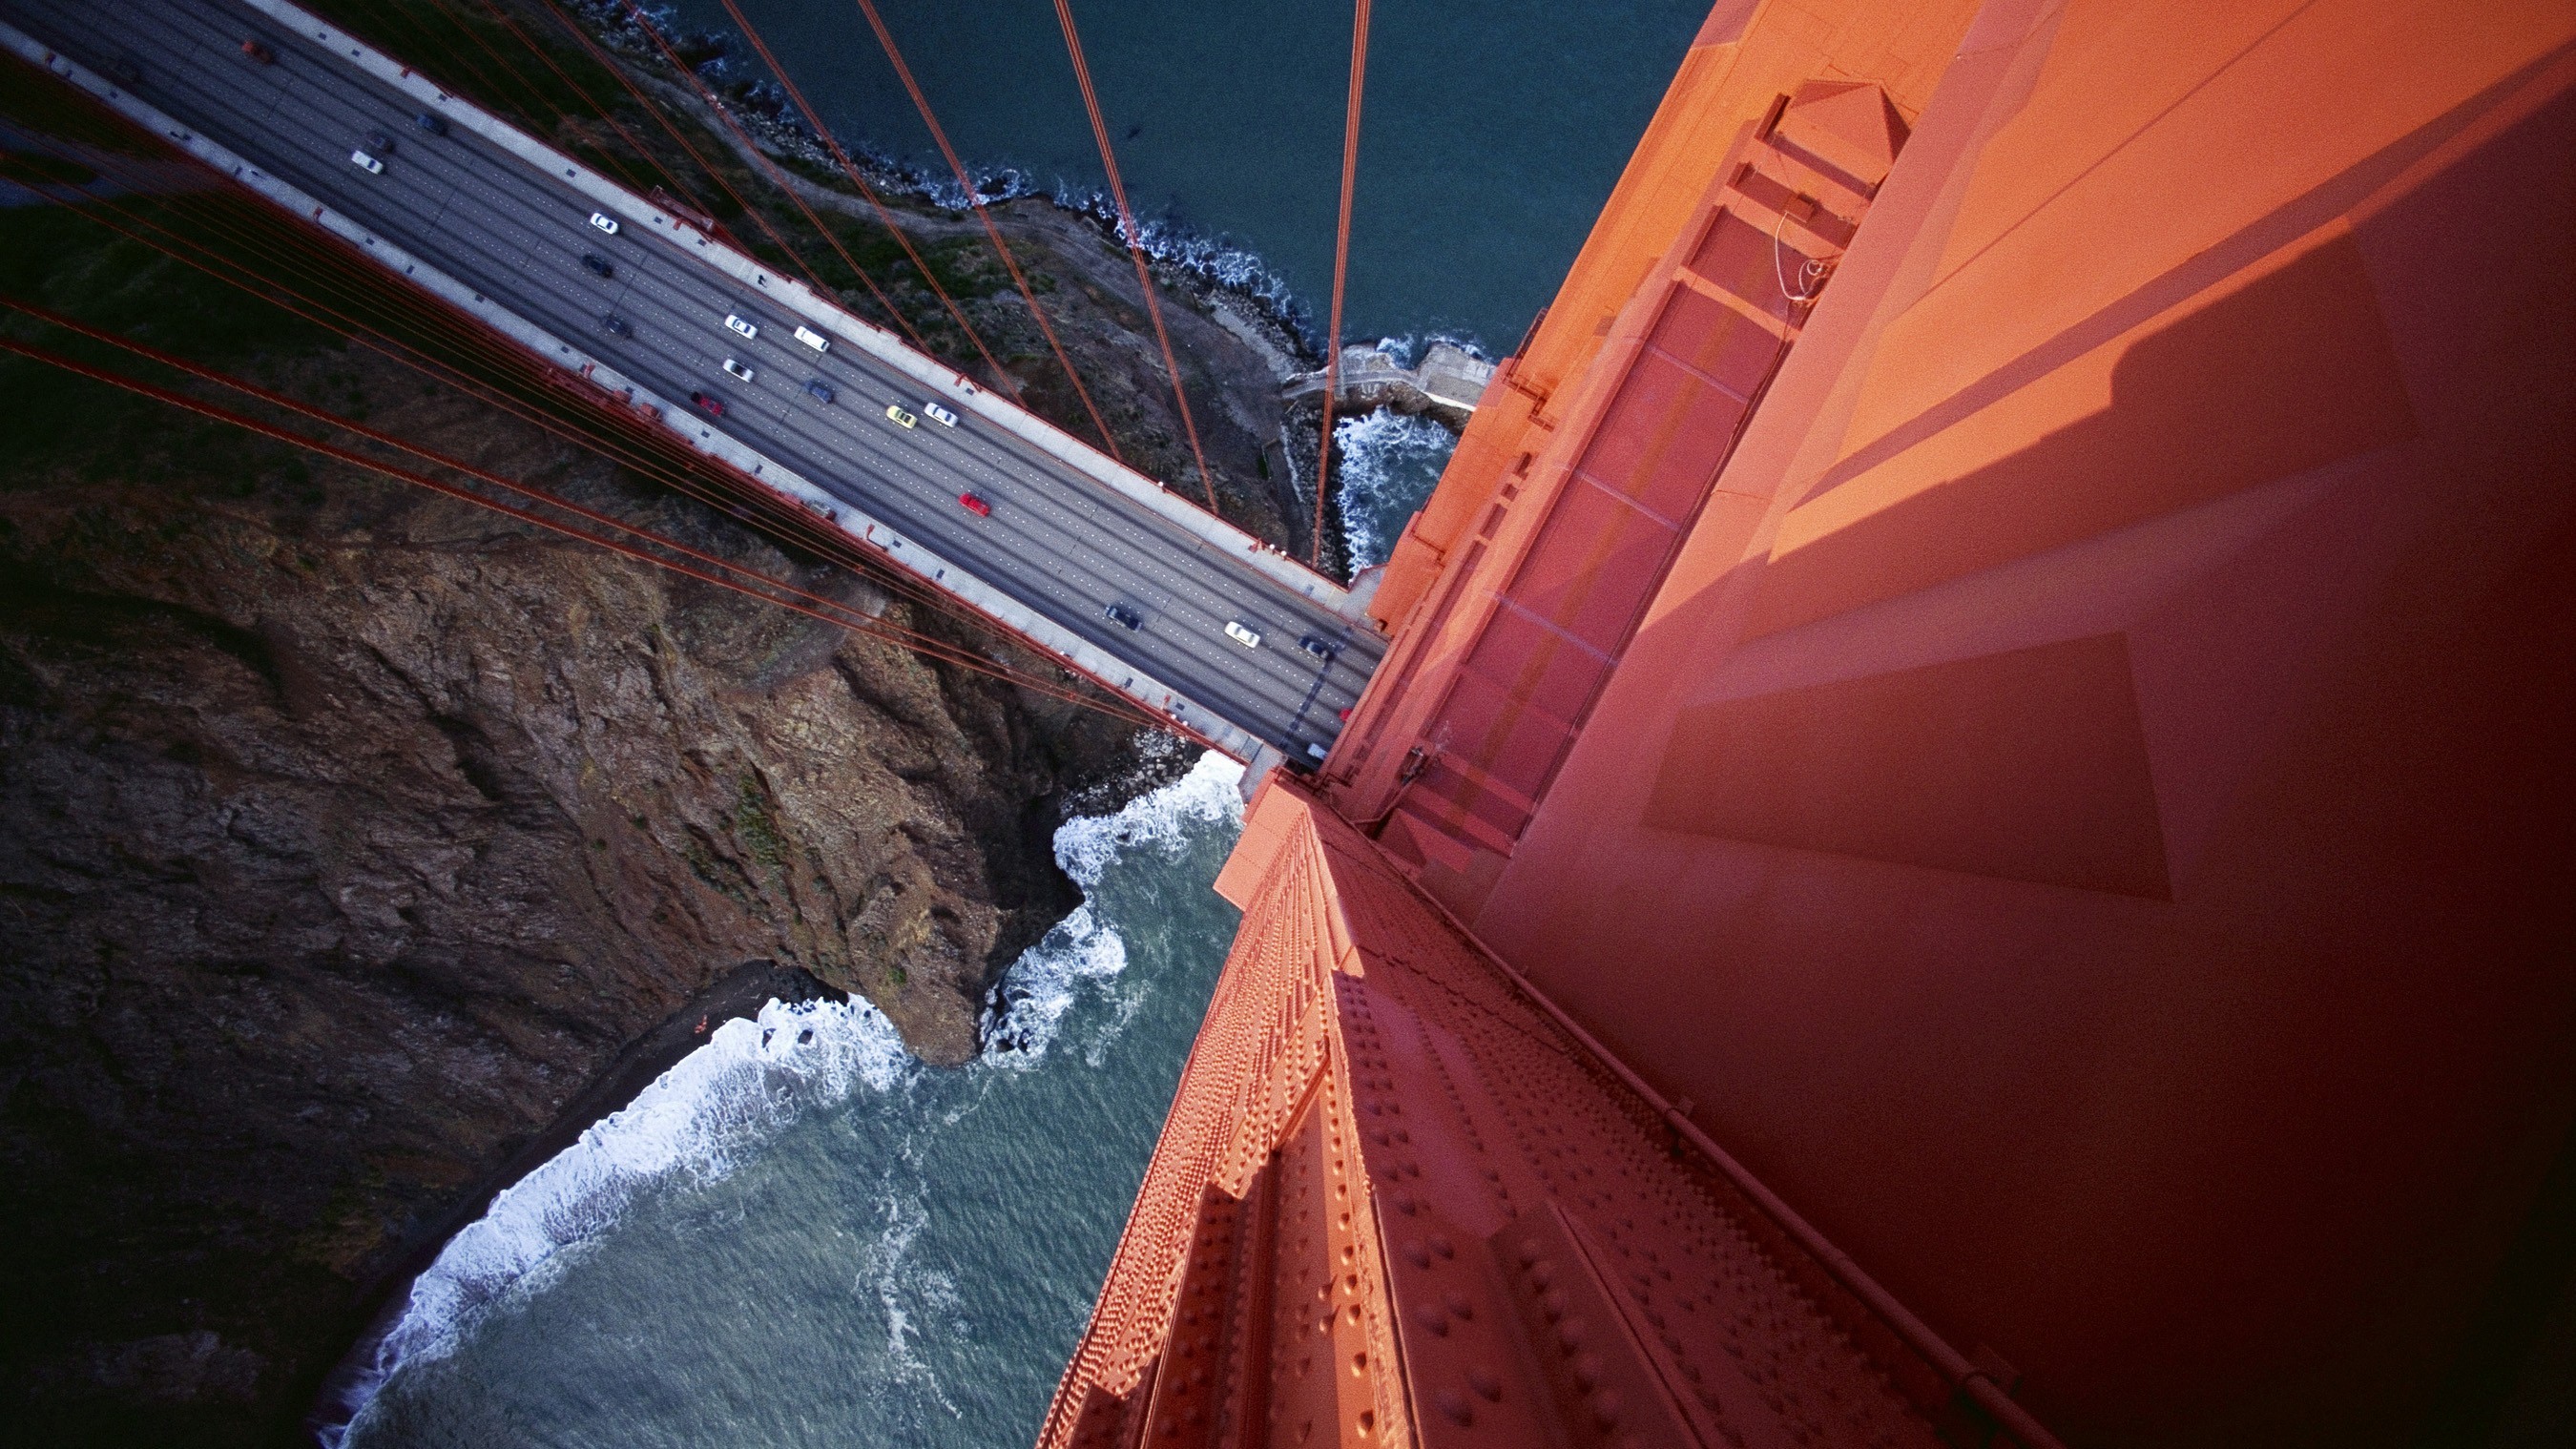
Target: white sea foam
{"x":1390,"y":460}
{"x":697,"y":1119}
{"x":1031,"y":999}
{"x":900,"y":1289}
{"x":754,"y":1077}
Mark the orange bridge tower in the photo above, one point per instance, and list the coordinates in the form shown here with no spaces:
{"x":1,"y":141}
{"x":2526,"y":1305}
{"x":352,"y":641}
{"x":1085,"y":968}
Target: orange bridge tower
{"x":1967,"y":833}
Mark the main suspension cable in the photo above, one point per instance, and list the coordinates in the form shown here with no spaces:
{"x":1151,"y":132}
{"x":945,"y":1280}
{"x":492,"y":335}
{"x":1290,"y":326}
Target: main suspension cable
{"x":529,"y":42}
{"x":680,"y":474}
{"x":1127,"y":232}
{"x":1341,"y":267}
{"x":962,"y":658}
{"x":975,"y":199}
{"x":759,"y":218}
{"x":837,"y":545}
{"x":884,"y":215}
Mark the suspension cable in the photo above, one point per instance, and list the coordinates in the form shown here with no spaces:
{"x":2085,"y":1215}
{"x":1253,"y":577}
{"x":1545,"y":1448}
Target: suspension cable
{"x":1128,"y":233}
{"x":759,"y":218}
{"x":514,"y":360}
{"x":529,"y":42}
{"x":884,"y":216}
{"x":962,"y":658}
{"x":830,"y":238}
{"x":617,"y":73}
{"x":379,"y":436}
{"x":975,"y":199}
{"x":1341,"y":267}
{"x":679,"y":474}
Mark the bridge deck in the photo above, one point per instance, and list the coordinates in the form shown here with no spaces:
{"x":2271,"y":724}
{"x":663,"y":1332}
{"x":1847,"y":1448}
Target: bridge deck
{"x":496,"y":224}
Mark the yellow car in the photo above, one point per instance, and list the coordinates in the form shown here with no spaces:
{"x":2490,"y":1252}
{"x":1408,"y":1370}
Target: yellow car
{"x":896,"y":412}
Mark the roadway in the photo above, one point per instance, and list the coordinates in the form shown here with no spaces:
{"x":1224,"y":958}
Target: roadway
{"x":1057,"y":540}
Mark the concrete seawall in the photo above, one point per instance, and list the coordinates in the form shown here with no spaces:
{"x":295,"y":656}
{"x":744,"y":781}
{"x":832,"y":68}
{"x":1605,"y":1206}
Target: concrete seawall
{"x":1445,"y":383}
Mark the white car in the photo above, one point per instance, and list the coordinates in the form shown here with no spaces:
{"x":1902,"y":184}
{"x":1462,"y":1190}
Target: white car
{"x":1235,"y":631}
{"x":604,"y":222}
{"x":812,"y":338}
{"x":737,"y":369}
{"x":747,"y":330}
{"x":939,"y":414}
{"x":366,"y":163}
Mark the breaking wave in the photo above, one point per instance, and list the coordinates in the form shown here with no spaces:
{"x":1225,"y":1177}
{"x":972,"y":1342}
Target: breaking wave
{"x":696,"y":1120}
{"x":754,"y":1077}
{"x":1390,"y":460}
{"x":1029,"y":1003}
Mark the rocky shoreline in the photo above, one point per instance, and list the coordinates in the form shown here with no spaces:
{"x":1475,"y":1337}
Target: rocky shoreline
{"x":361,"y":848}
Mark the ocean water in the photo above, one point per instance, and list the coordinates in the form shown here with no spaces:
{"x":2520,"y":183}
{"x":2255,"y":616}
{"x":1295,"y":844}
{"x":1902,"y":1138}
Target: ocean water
{"x":799,"y":1236}
{"x":1491,"y":131}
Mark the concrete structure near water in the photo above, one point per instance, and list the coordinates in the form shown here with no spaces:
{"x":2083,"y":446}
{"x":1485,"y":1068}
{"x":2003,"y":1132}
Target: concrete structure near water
{"x":1446,"y":382}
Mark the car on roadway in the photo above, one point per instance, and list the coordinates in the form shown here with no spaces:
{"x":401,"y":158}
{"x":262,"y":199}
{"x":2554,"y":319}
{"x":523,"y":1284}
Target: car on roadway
{"x":812,"y":338}
{"x":259,"y":52}
{"x":616,"y":325}
{"x":714,"y":406}
{"x":1319,"y":646}
{"x":1248,"y":638}
{"x":437,"y":126}
{"x":1122,"y":615}
{"x":604,"y":222}
{"x":940,"y":415}
{"x":127,"y":71}
{"x":366,"y":163}
{"x":598,"y":264}
{"x":737,"y":369}
{"x":975,"y":504}
{"x":821,"y":390}
{"x":380,"y":143}
{"x":902,"y":418}
{"x":737,"y":323}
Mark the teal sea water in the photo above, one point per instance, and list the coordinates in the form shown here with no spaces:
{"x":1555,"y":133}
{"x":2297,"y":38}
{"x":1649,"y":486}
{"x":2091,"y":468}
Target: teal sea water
{"x":802,"y":1237}
{"x":1491,"y":132}
{"x":799,"y":1236}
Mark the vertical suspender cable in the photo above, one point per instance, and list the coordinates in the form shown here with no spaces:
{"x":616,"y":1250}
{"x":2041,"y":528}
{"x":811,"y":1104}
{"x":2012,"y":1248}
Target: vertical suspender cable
{"x":831,"y":239}
{"x":512,"y":362}
{"x":814,"y":120}
{"x":1341,"y":266}
{"x":618,"y":73}
{"x":403,"y":353}
{"x":1135,"y":243}
{"x":610,"y":65}
{"x":596,"y":109}
{"x":1001,"y":248}
{"x":758,"y":217}
{"x":833,"y":612}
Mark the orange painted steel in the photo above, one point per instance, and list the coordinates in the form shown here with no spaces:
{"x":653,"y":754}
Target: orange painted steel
{"x":1128,"y":233}
{"x":1341,"y":265}
{"x":2059,"y":813}
{"x":1401,"y":1200}
{"x":993,"y":233}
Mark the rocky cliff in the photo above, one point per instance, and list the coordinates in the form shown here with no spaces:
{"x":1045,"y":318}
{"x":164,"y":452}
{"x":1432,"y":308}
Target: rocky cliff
{"x":355,"y":844}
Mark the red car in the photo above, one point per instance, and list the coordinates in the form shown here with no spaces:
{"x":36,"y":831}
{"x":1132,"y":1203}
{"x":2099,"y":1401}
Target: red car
{"x":714,"y":406}
{"x":975,"y":505}
{"x":259,"y":52}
